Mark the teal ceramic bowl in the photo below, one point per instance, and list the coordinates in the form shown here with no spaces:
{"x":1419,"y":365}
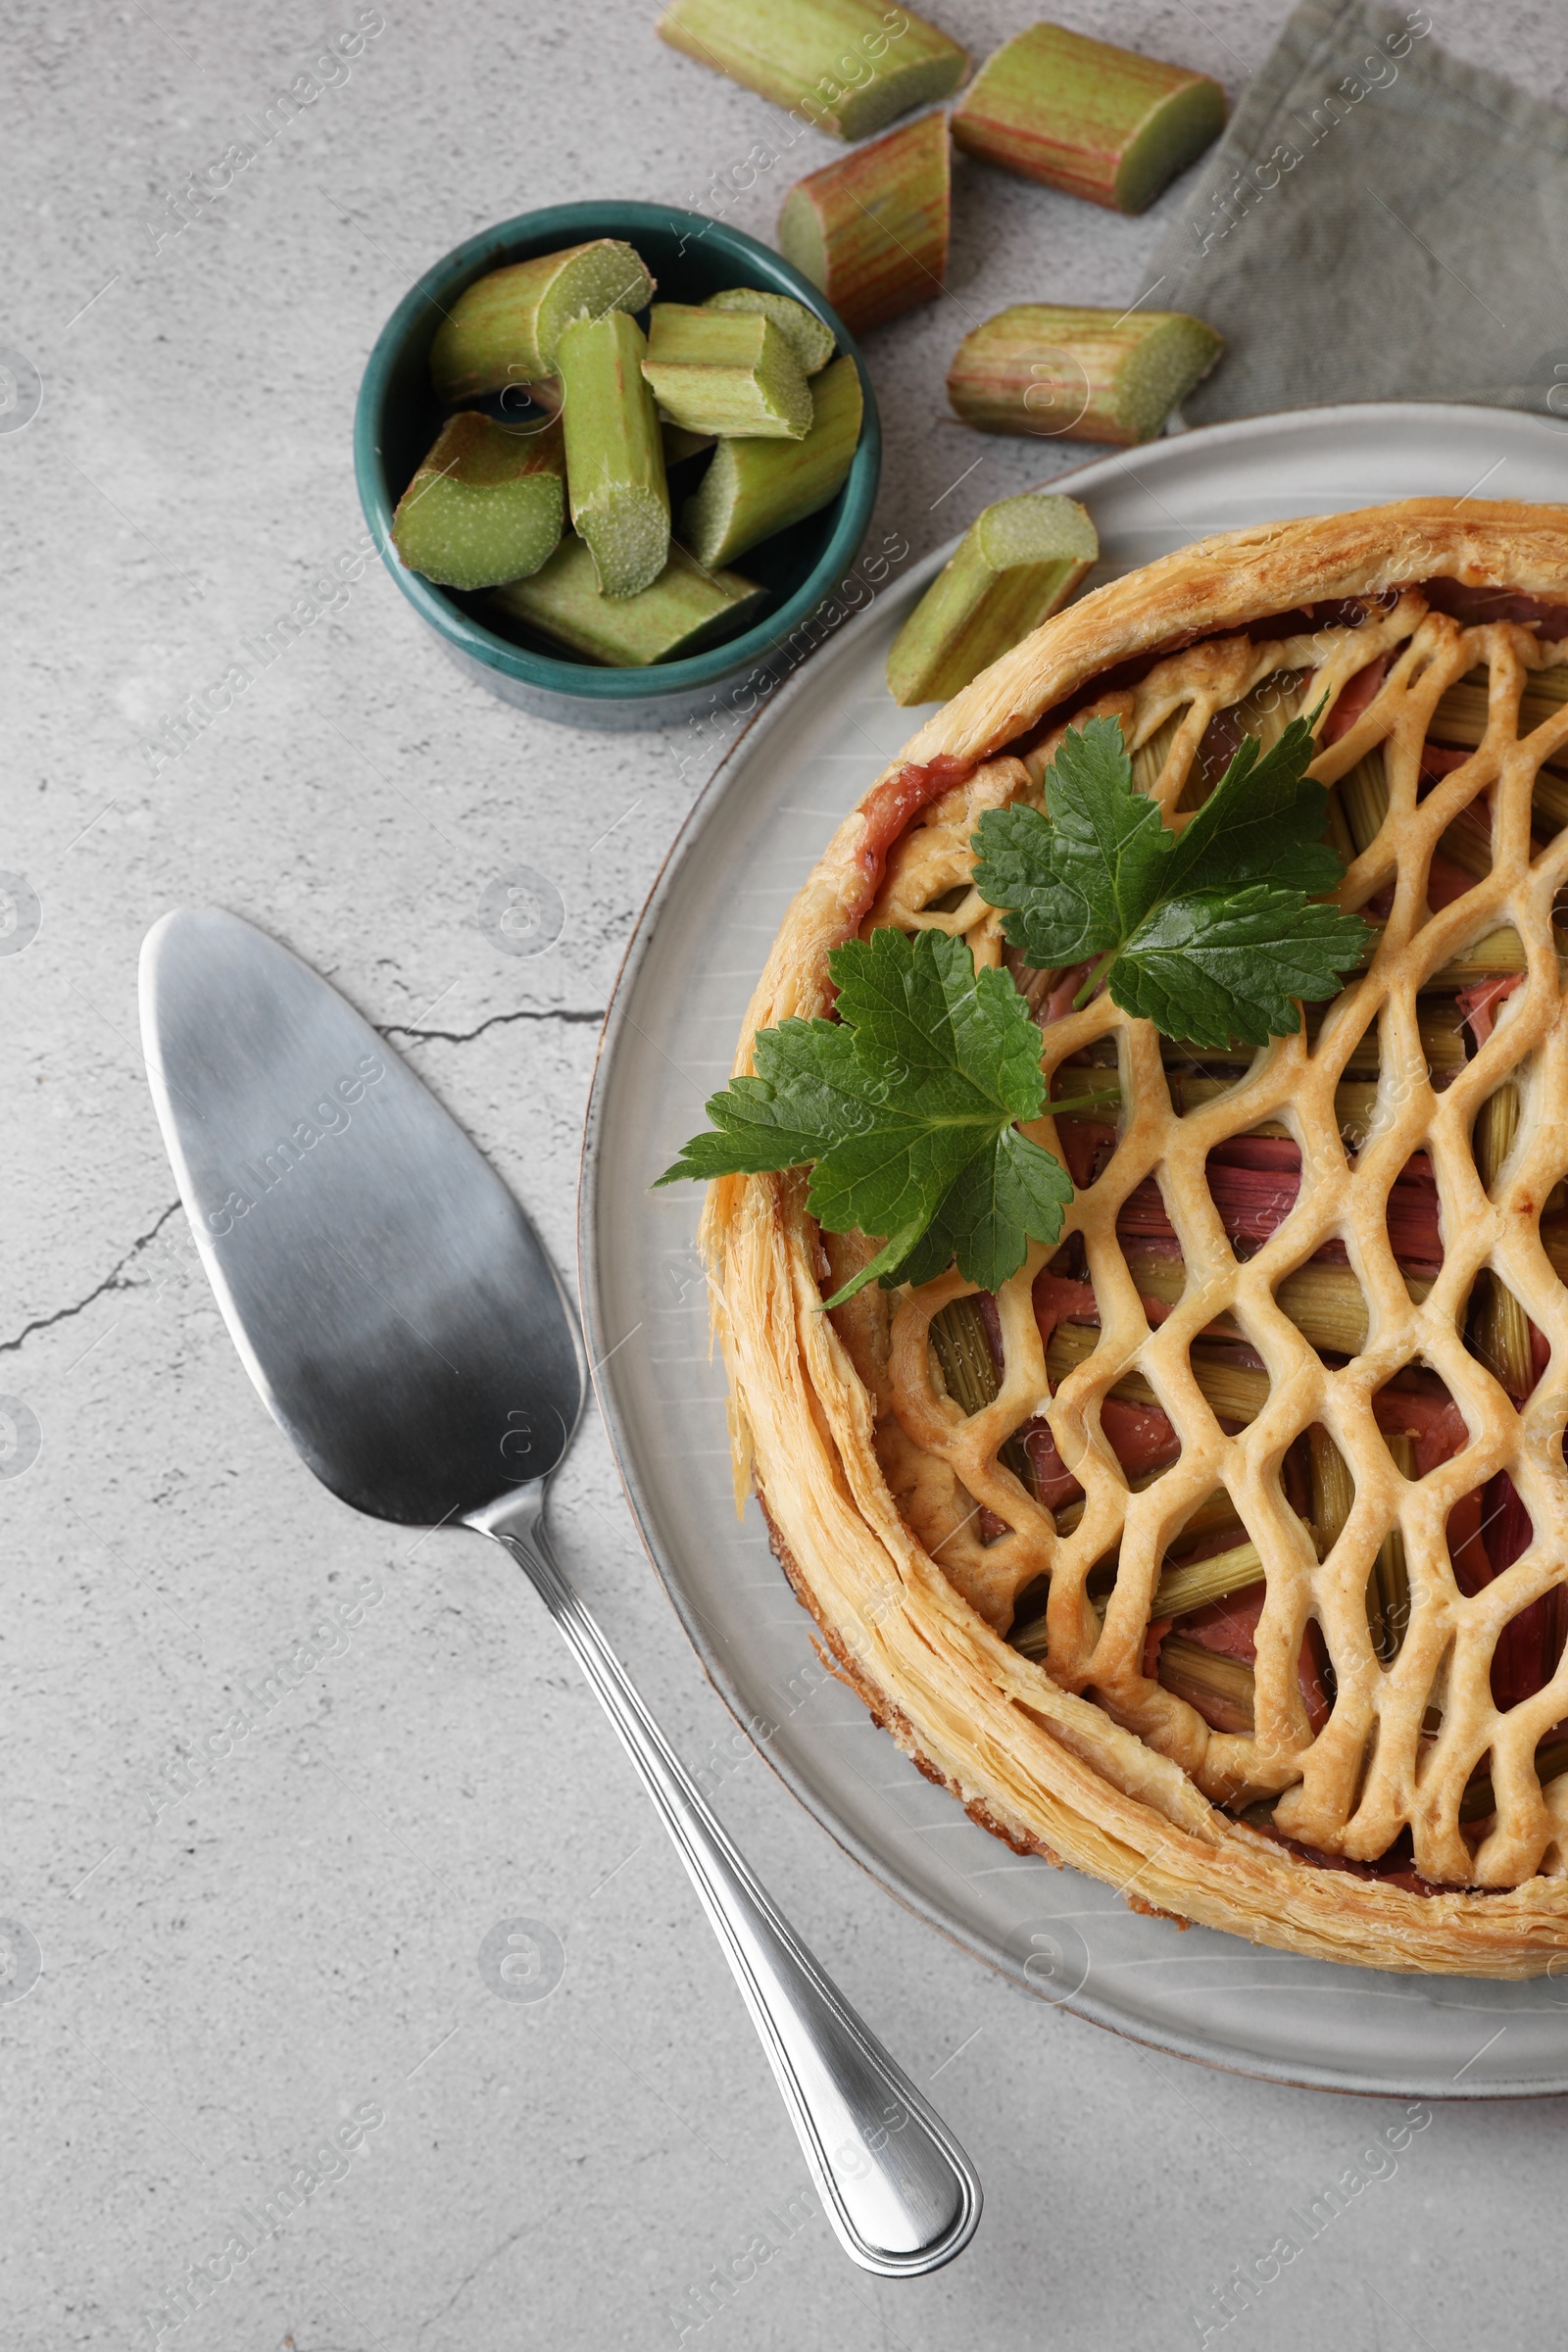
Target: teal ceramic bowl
{"x":804,"y":568}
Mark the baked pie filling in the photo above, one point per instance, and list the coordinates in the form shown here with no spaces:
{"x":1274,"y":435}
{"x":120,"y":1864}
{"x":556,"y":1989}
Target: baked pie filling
{"x":1222,"y":1550}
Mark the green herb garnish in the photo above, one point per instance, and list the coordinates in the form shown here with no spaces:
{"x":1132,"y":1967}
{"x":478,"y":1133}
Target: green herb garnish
{"x":1210,"y":933}
{"x":905,"y":1107}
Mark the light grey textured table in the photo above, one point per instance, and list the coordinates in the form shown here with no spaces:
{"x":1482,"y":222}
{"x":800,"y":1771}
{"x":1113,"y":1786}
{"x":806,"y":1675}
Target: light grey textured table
{"x":238,"y":1956}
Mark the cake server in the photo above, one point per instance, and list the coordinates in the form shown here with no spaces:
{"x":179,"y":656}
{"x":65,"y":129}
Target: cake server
{"x":395,"y":1308}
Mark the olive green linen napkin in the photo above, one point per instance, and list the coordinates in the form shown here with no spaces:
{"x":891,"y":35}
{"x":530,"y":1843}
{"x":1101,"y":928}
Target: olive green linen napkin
{"x":1379,"y":222}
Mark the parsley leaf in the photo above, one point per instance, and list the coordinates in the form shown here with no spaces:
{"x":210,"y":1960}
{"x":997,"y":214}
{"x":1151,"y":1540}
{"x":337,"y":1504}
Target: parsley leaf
{"x":905,"y":1110}
{"x":1211,"y":933}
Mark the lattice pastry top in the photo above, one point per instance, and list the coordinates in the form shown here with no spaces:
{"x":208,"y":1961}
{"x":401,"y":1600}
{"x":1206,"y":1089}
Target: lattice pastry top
{"x":1224,"y":1551}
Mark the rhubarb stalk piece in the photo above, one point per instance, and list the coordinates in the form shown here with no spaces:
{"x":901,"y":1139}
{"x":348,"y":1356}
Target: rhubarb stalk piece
{"x":754,"y":488}
{"x":1388,"y":1587}
{"x":684,"y":610}
{"x":1478,"y":1799}
{"x":1363,"y":795}
{"x":963,"y":1351}
{"x":1088,"y":118}
{"x":1333,"y":1490}
{"x":505,"y":329}
{"x":1016,"y":563}
{"x":1328,"y":1305}
{"x":848,"y":66}
{"x":872,"y":230}
{"x":1079,"y":374}
{"x":809,"y":337}
{"x":614,"y":457}
{"x":1501,"y":1328}
{"x":1501,"y":950}
{"x":971,"y":1378}
{"x":1195,"y":1584}
{"x":486,"y":505}
{"x":727,"y":371}
{"x":680,"y":445}
{"x":1221,"y":1689}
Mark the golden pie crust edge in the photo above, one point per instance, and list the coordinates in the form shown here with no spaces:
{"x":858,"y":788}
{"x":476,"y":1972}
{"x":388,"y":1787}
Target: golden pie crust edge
{"x":1046,"y":1770}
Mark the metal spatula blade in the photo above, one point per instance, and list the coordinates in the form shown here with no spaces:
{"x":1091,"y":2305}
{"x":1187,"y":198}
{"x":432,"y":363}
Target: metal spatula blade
{"x":392,"y":1303}
{"x":388,"y":1296}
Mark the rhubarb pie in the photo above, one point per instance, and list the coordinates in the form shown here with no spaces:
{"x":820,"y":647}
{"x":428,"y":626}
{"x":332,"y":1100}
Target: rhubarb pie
{"x":1222,"y":1550}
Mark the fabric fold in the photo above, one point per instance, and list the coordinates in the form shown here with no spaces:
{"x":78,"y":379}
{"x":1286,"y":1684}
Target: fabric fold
{"x":1380,"y":221}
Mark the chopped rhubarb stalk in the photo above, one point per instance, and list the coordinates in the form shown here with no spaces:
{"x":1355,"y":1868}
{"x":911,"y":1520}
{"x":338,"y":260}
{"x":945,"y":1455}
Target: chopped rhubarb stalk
{"x":968,"y":1352}
{"x":1226,"y":1535}
{"x":889,"y":808}
{"x":1160,"y":1278}
{"x":1139,"y":1436}
{"x":1229,"y":1626}
{"x":1144,"y":1216}
{"x":1507,"y":1526}
{"x":1525,"y":1657}
{"x":1056,"y":1300}
{"x":1468,"y":840}
{"x":1217,"y":747}
{"x":1272,"y":1151}
{"x":1475,"y":605}
{"x":1428,"y":1416}
{"x":1478,"y":1004}
{"x":1467,"y":1549}
{"x":1357,"y":698}
{"x":1086,"y":1146}
{"x":1152,"y":1641}
{"x":1058,"y":1004}
{"x":986,"y":1302}
{"x":1539,"y":1355}
{"x":1436,"y":761}
{"x":1418,"y":1170}
{"x":1446,"y":882}
{"x":1220,"y":742}
{"x":1310,"y":1675}
{"x":1054,"y":1483}
{"x":1254,"y":1181}
{"x":1237,"y":1195}
{"x":1219,"y":1689}
{"x":1229,"y":1629}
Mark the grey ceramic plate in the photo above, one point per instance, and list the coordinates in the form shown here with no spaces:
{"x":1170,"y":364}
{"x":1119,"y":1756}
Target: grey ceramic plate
{"x":749,"y":843}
